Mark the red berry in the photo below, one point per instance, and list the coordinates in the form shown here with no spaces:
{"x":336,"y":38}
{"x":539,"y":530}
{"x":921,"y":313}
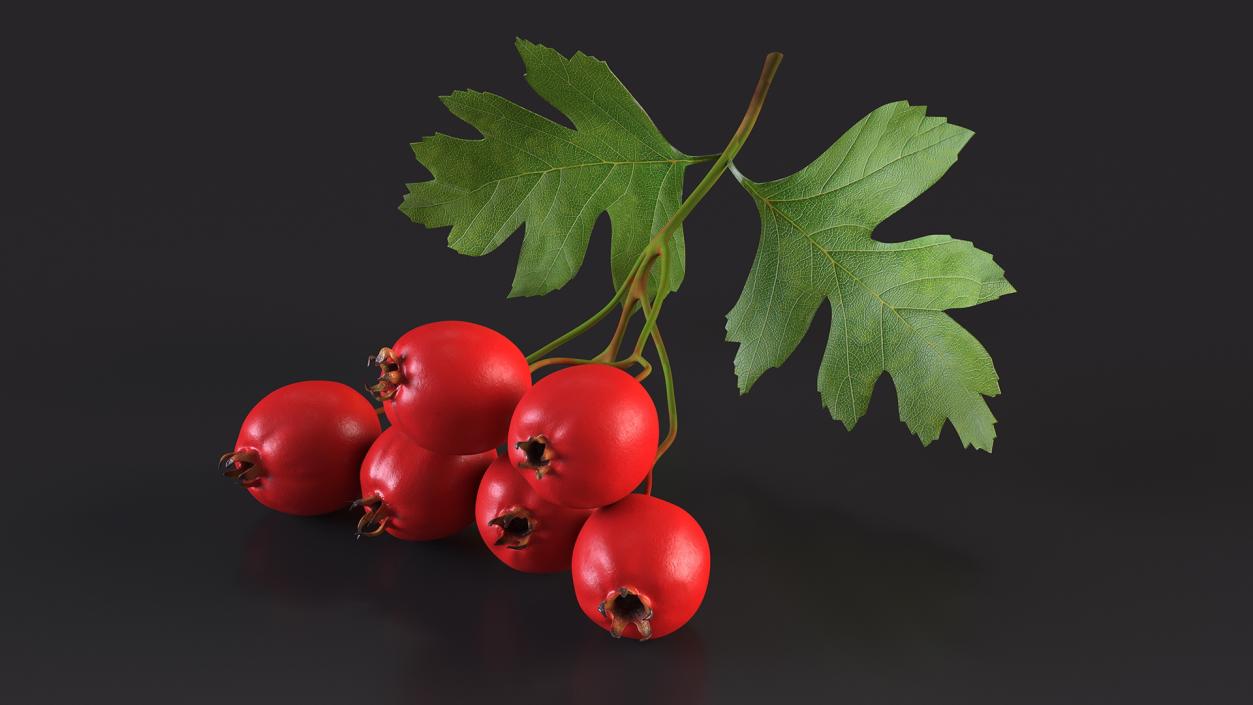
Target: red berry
{"x":524,"y":531}
{"x":452,"y":385}
{"x":301,"y":446}
{"x":640,"y":567}
{"x":416,"y":494}
{"x":585,"y":436}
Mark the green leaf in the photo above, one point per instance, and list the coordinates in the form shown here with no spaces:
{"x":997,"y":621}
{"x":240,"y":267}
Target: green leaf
{"x":529,"y":169}
{"x":887,"y":299}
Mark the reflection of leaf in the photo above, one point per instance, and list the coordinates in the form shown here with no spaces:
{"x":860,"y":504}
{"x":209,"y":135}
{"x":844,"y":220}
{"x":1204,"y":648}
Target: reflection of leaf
{"x":887,"y":299}
{"x":529,"y":169}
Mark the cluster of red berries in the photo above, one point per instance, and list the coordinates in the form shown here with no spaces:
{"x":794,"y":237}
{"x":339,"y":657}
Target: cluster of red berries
{"x":579,"y":443}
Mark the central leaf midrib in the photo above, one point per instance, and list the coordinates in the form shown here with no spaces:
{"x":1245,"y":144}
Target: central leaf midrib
{"x":470,"y":191}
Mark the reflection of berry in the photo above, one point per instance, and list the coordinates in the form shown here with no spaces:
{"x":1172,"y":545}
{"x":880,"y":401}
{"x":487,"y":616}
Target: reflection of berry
{"x":522,"y":530}
{"x":415,"y":494}
{"x":452,"y":385}
{"x":300,"y":447}
{"x":640,"y":567}
{"x":584,"y":436}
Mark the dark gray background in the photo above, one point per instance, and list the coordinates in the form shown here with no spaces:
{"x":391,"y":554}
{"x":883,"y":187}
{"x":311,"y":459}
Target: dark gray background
{"x":199,"y":207}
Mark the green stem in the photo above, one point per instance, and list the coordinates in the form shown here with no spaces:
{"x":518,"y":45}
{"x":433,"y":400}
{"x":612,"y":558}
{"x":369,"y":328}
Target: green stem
{"x":589,"y":323}
{"x":650,"y":315}
{"x":615,"y":342}
{"x":646,"y":369}
{"x":672,"y":409}
{"x":540,"y":364}
{"x":654,"y":249}
{"x":658,"y":247}
{"x":715,"y":172}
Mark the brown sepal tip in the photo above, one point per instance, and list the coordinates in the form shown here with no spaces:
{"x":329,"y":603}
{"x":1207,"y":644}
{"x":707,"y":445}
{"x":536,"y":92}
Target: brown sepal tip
{"x":243,"y":466}
{"x":376,"y":516}
{"x":390,"y":376}
{"x":517,"y":526}
{"x":539,"y":455}
{"x":626,"y":606}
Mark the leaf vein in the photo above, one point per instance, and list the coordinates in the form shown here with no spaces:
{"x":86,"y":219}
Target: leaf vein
{"x":865,"y":176}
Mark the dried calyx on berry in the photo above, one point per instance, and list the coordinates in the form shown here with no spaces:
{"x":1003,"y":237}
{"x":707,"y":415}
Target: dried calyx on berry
{"x":376,"y":516}
{"x":539,"y":455}
{"x":390,"y":376}
{"x":628,"y":606}
{"x":517,"y":525}
{"x":243,"y":466}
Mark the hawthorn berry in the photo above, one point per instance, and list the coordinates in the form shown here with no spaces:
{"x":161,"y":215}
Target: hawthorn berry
{"x":300,"y":447}
{"x":417,"y":494}
{"x":640,"y":567}
{"x":584,"y":436}
{"x":522,"y":530}
{"x":452,"y":385}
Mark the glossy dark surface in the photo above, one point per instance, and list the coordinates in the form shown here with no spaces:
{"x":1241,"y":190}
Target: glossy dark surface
{"x":200,"y":208}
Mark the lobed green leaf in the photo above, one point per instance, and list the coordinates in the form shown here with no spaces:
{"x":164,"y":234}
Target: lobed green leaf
{"x":887,"y":299}
{"x":528,"y":170}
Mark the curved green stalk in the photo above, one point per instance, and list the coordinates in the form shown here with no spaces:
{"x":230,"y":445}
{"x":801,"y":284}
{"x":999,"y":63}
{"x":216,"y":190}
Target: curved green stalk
{"x":654,"y":248}
{"x":650,"y":319}
{"x":672,"y":409}
{"x":715,"y":172}
{"x":589,"y":323}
